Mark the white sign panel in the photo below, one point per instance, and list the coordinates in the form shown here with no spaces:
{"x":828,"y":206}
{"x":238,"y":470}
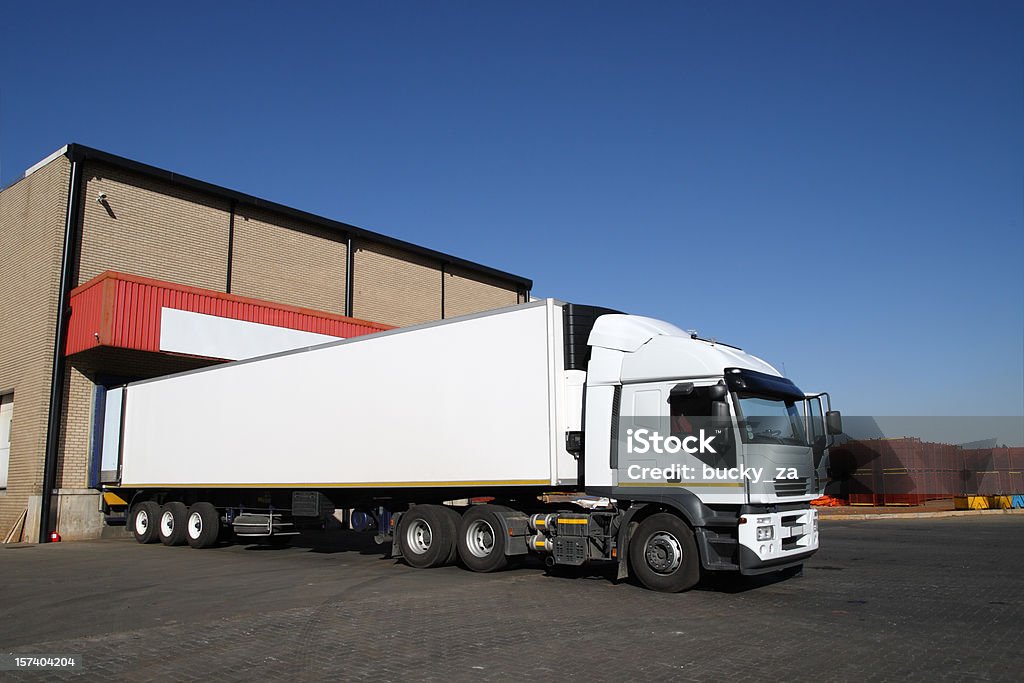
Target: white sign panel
{"x":211,"y":336}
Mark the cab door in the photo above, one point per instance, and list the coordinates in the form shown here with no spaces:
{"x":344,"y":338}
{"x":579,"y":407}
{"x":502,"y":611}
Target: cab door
{"x":646,"y":409}
{"x":814,"y":414}
{"x":642,"y":407}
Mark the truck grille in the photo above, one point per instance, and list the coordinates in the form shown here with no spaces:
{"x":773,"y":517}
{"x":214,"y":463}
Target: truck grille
{"x":791,"y":487}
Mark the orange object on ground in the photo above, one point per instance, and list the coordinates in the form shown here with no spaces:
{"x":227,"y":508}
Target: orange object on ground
{"x":828,"y":502}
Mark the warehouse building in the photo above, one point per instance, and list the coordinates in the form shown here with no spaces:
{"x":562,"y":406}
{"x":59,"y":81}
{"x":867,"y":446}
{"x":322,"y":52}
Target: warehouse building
{"x":113,"y":270}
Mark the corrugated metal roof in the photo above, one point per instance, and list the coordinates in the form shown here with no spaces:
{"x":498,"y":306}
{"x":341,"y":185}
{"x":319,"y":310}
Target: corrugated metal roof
{"x":124,"y":311}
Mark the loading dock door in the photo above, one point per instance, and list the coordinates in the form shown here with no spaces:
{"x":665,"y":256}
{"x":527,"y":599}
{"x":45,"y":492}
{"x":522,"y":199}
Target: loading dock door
{"x":6,"y":415}
{"x":110,"y":449}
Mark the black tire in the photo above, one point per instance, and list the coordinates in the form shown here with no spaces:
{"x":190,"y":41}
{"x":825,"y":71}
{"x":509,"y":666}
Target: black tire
{"x":663,"y":554}
{"x":173,"y":520}
{"x":426,"y":536}
{"x":482,"y":539}
{"x":203,"y":526}
{"x":145,"y":521}
{"x":456,"y":519}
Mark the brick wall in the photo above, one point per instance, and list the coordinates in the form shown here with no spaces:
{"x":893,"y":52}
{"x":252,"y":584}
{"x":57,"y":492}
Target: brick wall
{"x":466,"y":292}
{"x":153,"y":229}
{"x":76,"y":430}
{"x":31,"y":234}
{"x":394,"y":287}
{"x":282,"y":260}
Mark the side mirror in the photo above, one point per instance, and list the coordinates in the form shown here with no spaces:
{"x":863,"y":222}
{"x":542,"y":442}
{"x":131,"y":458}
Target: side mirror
{"x":834,"y":422}
{"x":720,"y":420}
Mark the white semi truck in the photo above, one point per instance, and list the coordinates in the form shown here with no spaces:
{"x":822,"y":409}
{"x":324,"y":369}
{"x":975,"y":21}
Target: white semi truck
{"x":706,"y":456}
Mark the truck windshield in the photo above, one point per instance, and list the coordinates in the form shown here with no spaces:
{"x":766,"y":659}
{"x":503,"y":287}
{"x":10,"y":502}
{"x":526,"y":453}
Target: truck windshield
{"x":771,"y":420}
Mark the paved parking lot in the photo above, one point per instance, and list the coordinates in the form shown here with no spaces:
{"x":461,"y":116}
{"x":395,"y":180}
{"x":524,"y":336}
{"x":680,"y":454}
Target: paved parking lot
{"x":883,"y":599}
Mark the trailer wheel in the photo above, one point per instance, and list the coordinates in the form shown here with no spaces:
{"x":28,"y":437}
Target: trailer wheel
{"x":456,"y":519}
{"x":173,"y":523}
{"x":145,"y":520}
{"x":482,"y":539}
{"x":426,"y":535}
{"x":203,"y":525}
{"x":663,"y":554}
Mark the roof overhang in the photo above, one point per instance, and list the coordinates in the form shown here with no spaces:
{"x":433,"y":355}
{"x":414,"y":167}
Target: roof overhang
{"x":131,"y":312}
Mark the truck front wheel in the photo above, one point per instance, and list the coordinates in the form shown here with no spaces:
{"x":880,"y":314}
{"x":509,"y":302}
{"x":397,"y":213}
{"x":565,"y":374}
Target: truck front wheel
{"x":663,"y":554}
{"x":482,"y":539}
{"x":426,"y":535}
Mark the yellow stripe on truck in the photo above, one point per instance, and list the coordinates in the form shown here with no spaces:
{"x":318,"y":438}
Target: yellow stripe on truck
{"x":573,"y":521}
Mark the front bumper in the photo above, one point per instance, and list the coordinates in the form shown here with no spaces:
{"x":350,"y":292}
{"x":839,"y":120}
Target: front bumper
{"x":793,"y":537}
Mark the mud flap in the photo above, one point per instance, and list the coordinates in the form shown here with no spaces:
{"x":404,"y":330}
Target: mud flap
{"x":626,"y":529}
{"x":396,"y":548}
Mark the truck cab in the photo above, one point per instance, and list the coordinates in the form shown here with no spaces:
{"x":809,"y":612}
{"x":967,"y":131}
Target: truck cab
{"x":702,"y":430}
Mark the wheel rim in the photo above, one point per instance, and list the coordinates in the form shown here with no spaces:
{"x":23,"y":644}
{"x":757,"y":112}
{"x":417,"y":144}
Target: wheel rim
{"x":141,"y":522}
{"x":663,"y":553}
{"x":418,"y":536}
{"x":195,"y":525}
{"x":167,"y":523}
{"x":480,"y":538}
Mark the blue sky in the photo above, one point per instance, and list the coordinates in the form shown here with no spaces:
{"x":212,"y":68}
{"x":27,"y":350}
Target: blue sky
{"x":836,"y":187}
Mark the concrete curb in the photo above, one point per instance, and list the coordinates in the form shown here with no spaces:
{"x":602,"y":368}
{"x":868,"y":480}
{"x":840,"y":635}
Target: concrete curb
{"x":921,"y":515}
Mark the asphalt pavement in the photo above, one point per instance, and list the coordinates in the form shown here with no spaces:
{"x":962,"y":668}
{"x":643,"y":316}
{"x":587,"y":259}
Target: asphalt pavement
{"x":920,"y":599}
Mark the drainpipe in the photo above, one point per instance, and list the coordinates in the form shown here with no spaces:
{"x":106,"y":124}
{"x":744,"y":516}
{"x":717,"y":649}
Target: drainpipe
{"x":350,"y":262}
{"x":231,"y":244}
{"x":47,"y":509}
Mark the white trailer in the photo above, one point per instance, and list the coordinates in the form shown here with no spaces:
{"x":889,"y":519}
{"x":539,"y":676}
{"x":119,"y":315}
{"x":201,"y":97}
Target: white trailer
{"x":511,"y":405}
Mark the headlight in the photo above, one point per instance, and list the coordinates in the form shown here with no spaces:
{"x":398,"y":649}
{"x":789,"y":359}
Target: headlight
{"x":765,"y":533}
